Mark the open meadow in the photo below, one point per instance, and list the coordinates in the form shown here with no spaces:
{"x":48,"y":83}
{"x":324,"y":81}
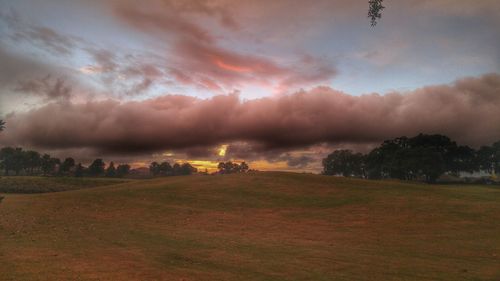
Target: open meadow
{"x":255,"y":226}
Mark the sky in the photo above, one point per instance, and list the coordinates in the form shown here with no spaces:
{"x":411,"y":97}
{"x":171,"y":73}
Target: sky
{"x":279,"y":84}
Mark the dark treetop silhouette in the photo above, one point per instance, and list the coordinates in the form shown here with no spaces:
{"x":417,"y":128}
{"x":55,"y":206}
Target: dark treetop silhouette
{"x":29,"y":162}
{"x":423,"y":157}
{"x":375,"y":11}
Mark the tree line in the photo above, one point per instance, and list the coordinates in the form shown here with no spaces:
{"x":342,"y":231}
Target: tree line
{"x":16,"y":161}
{"x":30,"y":162}
{"x":232,"y":168}
{"x":165,"y":169}
{"x":423,"y":157}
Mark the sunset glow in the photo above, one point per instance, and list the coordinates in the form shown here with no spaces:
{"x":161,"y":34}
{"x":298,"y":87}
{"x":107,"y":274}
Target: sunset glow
{"x":229,"y":67}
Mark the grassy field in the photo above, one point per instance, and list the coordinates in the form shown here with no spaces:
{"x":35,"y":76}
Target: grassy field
{"x":262,"y":226}
{"x":51,"y":184}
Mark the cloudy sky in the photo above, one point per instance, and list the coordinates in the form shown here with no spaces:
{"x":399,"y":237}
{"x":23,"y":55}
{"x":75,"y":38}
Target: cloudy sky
{"x":279,"y":83}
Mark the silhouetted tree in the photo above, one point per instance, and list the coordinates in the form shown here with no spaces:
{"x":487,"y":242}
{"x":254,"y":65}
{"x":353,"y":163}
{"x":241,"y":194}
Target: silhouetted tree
{"x":48,"y":164}
{"x":122,"y":170}
{"x":176,"y":169}
{"x":244,"y":167}
{"x":375,"y":11}
{"x":463,"y":160}
{"x":97,"y":167}
{"x":222,"y":167}
{"x":7,"y":158}
{"x":488,"y":158}
{"x":154,"y":168}
{"x":32,"y":161}
{"x":389,"y":160}
{"x":345,"y":163}
{"x":111,"y":170}
{"x":2,"y":125}
{"x":496,"y":166}
{"x":19,"y":160}
{"x":187,"y":169}
{"x":165,"y":169}
{"x":423,"y":157}
{"x":67,"y":165}
{"x":79,"y":170}
{"x":230,"y":167}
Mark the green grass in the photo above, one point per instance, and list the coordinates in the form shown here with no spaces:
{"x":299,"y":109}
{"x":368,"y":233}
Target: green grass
{"x":51,"y":184}
{"x":261,"y":226}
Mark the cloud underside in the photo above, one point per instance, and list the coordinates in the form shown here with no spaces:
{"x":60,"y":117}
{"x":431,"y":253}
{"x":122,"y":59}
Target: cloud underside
{"x":467,"y":111}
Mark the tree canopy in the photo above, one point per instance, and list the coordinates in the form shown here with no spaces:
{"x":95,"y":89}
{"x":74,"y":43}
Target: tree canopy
{"x":231,"y":168}
{"x":345,"y":163}
{"x":375,"y":11}
{"x":165,"y":169}
{"x":97,"y":167}
{"x":423,"y":157}
{"x":30,"y":162}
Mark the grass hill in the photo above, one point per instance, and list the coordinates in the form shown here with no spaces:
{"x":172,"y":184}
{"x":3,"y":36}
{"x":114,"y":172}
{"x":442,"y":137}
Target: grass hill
{"x":258,"y":226}
{"x":51,"y":184}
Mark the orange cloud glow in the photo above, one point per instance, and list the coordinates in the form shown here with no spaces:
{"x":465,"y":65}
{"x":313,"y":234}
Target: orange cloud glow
{"x":230,"y":67}
{"x":202,"y":165}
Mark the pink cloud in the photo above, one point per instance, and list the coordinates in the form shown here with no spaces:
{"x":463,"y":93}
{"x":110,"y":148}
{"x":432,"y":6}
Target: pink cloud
{"x":193,"y":48}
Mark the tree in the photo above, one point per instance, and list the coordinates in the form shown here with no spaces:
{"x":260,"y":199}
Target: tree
{"x":423,"y":157}
{"x":488,"y":158}
{"x":79,"y":170}
{"x":463,"y":160}
{"x":420,"y":157}
{"x":230,"y":167}
{"x":428,"y":163}
{"x":244,"y":167}
{"x":432,"y":155}
{"x":48,"y":164}
{"x":18,"y":160}
{"x":32,"y":161}
{"x":67,"y":165}
{"x":122,"y":170}
{"x":97,"y":167}
{"x":222,"y":167}
{"x":165,"y":169}
{"x":154,"y":168}
{"x":345,"y":163}
{"x":7,"y":159}
{"x":496,"y":165}
{"x":187,"y":169}
{"x":2,"y":125}
{"x":111,"y":170}
{"x":176,"y":169}
{"x":388,"y":160}
{"x":375,"y":11}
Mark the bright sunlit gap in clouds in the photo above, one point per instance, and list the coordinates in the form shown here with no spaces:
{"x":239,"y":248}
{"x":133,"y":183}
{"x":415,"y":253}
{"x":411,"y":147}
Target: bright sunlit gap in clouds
{"x":222,"y":150}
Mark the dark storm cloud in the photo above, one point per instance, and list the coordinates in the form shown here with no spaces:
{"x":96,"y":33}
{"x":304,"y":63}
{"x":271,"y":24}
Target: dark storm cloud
{"x":467,"y":111}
